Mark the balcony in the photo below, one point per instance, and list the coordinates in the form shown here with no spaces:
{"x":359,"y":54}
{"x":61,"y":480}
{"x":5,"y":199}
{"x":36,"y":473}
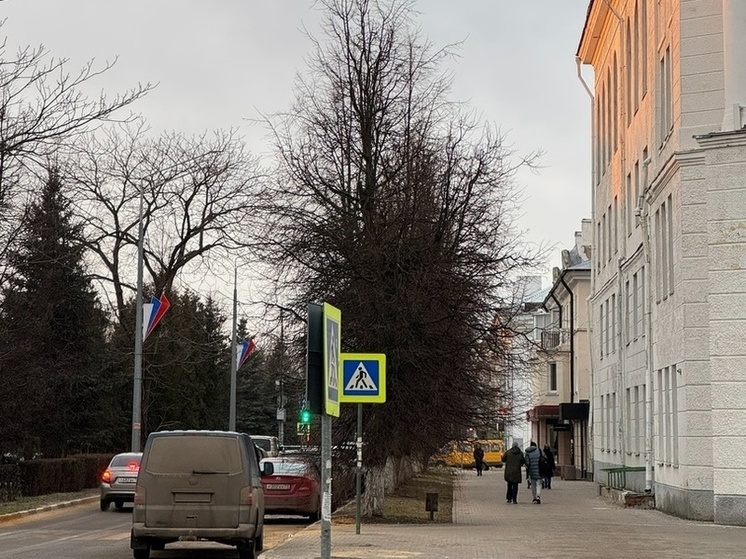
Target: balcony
{"x":551,"y":339}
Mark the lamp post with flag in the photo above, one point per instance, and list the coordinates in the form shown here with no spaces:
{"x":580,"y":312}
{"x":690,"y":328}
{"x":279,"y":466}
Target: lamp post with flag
{"x":239,"y":353}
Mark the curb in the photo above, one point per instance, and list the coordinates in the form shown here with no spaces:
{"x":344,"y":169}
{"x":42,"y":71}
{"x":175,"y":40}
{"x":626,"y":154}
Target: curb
{"x":64,"y":504}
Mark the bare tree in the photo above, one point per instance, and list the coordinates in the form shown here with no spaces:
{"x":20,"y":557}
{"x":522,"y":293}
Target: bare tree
{"x":198,"y":204}
{"x":397,"y":206}
{"x":42,"y":109}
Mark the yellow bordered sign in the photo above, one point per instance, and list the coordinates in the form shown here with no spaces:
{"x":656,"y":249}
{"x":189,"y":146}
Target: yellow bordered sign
{"x":332,"y":346}
{"x":363,"y":378}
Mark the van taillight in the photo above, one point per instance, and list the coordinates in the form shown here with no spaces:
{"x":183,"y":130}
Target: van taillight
{"x":246,"y":496}
{"x":140,"y":495}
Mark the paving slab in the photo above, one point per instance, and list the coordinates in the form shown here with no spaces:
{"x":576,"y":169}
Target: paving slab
{"x":572,"y":521}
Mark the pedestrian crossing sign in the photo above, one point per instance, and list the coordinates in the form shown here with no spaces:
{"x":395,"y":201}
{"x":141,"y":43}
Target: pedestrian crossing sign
{"x":363,"y":378}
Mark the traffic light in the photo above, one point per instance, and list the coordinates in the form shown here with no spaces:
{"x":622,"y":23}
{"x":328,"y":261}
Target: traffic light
{"x":305,"y":416}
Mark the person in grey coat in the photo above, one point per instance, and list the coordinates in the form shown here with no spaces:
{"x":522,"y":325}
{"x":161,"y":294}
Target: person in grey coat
{"x":513,"y":460}
{"x":532,"y":471}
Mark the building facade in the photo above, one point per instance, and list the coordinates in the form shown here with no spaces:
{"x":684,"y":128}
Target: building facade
{"x":561,"y":380}
{"x":668,"y":283}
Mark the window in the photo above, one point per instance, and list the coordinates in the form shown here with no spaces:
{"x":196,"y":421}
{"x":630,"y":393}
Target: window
{"x":627,"y":89}
{"x":637,"y":419}
{"x":658,"y":250}
{"x":637,"y":187}
{"x":631,"y":203}
{"x":629,"y":309}
{"x":614,"y":108}
{"x":614,"y":421}
{"x":608,"y":232}
{"x":614,"y":314}
{"x":666,"y":99}
{"x":616,"y":224}
{"x":602,"y":332}
{"x":602,"y":414}
{"x":642,"y":301}
{"x":552,"y":377}
{"x":664,"y":249}
{"x":635,"y":306}
{"x":628,"y":421}
{"x":644,"y":44}
{"x":636,"y":61}
{"x":670,"y":244}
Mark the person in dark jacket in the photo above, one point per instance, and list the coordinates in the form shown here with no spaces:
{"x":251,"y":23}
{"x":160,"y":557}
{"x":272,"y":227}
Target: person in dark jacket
{"x":513,"y":460}
{"x":547,"y":475}
{"x":478,"y":458}
{"x":532,"y":457}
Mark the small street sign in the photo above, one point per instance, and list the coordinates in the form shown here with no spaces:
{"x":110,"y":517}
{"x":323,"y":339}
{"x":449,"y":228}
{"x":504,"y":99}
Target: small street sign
{"x":363,"y":378}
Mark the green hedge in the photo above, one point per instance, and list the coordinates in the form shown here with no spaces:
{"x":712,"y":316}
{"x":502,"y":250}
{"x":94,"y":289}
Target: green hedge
{"x":61,"y":475}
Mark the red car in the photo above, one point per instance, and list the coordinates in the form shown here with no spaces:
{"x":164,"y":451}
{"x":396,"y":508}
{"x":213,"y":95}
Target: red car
{"x":294,"y":488}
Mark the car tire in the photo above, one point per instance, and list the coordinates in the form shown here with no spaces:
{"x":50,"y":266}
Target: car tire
{"x":246,"y":550}
{"x":158,"y":546}
{"x":104,"y":505}
{"x":314,"y":516}
{"x":141,"y":553}
{"x":119,"y":505}
{"x":440,"y":464}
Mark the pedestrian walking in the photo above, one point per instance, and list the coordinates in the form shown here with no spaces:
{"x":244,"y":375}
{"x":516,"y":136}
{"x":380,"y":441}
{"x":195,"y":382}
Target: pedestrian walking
{"x":533,"y":457}
{"x":478,"y":458}
{"x":513,"y":460}
{"x":548,"y":473}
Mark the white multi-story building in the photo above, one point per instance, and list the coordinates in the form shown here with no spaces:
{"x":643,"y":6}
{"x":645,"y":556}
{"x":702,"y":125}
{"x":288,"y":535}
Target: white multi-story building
{"x":559,"y":382}
{"x":669,"y":252}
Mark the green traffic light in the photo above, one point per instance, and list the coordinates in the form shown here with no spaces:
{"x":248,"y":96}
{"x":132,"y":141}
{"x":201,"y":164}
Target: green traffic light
{"x":305,"y":416}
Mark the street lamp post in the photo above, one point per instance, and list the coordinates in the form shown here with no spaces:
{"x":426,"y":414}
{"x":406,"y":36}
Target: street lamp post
{"x":234,"y":353}
{"x":137,"y":385}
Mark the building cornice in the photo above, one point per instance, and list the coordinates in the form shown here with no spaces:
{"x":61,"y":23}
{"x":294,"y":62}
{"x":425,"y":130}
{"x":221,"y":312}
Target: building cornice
{"x":730,"y":138}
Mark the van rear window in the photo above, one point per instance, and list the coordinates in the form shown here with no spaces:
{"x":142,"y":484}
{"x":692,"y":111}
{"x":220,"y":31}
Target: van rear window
{"x":194,"y":454}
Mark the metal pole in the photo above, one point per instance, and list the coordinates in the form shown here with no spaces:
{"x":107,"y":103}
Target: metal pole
{"x":137,"y":385}
{"x":326,"y":486}
{"x":359,"y":470}
{"x":281,"y":398}
{"x":234,"y":365}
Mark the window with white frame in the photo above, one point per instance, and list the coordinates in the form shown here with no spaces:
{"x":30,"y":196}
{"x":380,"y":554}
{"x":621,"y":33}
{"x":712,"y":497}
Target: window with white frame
{"x":552,"y":377}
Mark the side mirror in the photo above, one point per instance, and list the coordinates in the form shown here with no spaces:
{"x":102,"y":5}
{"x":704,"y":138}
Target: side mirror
{"x":268,"y":468}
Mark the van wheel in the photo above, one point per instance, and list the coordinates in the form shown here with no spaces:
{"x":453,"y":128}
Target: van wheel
{"x":260,"y":541}
{"x":141,"y":553}
{"x":104,"y":505}
{"x":247,"y":550}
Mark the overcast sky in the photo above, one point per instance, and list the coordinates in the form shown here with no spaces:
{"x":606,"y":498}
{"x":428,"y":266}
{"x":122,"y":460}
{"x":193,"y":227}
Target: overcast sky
{"x":220,"y":62}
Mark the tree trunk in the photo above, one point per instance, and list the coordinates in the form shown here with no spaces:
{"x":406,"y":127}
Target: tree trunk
{"x":375,"y":491}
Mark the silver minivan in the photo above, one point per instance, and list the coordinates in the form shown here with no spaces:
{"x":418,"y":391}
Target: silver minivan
{"x":199,"y":485}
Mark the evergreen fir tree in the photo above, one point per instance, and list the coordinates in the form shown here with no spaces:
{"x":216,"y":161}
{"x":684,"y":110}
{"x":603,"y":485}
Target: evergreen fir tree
{"x":53,"y":334}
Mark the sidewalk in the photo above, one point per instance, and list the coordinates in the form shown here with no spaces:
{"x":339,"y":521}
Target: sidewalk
{"x":571,"y":521}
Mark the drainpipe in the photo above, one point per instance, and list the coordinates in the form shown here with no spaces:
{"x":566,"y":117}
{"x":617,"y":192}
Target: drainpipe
{"x":572,"y":366}
{"x":642,"y":211}
{"x":572,"y":338}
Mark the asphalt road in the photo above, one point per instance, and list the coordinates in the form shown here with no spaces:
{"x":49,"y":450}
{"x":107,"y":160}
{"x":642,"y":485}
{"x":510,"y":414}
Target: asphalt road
{"x":84,"y":532}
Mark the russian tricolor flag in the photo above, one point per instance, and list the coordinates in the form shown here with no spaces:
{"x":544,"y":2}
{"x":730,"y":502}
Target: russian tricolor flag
{"x":245,"y":347}
{"x":152,"y":313}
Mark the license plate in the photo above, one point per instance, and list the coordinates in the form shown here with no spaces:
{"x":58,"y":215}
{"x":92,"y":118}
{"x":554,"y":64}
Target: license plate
{"x":127,"y":480}
{"x":278,"y":486}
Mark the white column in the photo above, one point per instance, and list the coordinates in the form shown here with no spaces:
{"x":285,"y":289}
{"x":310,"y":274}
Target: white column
{"x":734,"y":63}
